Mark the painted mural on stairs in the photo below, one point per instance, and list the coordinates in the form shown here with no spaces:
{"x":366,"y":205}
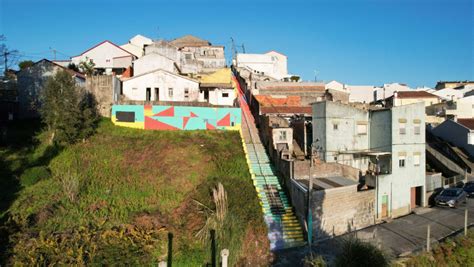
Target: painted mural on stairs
{"x":153,"y":117}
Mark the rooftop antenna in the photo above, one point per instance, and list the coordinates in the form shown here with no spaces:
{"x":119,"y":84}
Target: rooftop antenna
{"x":315,"y":75}
{"x":158,"y":33}
{"x":54,"y":52}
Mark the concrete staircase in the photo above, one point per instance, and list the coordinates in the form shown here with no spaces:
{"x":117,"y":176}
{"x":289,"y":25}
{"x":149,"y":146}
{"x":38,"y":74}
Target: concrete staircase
{"x":284,"y":230}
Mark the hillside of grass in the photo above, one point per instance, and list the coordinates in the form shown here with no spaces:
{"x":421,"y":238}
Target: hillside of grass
{"x":114,"y":198}
{"x":456,"y":251}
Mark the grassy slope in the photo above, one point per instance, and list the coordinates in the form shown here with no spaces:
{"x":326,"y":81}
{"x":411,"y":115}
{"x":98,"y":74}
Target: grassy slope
{"x":458,"y":251}
{"x":146,"y":180}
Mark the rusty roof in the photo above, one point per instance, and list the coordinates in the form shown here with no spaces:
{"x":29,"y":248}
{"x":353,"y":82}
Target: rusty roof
{"x":415,"y":94}
{"x":286,"y":110}
{"x":468,"y":123}
{"x":268,"y":100}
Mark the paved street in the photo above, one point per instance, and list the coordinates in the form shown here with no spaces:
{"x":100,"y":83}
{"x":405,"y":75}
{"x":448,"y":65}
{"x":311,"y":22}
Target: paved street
{"x":398,"y":237}
{"x":408,"y":233}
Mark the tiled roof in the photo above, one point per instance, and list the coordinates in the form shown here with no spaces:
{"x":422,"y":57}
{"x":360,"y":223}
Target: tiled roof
{"x":267,"y":100}
{"x":189,"y":41}
{"x":468,"y":123}
{"x":286,"y":110}
{"x":415,"y":94}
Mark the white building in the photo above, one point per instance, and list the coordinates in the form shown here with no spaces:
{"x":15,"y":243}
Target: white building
{"x":388,"y":89}
{"x":153,"y":61}
{"x":335,"y":85}
{"x":386,"y":145}
{"x":272,"y":64}
{"x":137,"y":44}
{"x":161,"y":85}
{"x":462,"y":108}
{"x":31,"y":82}
{"x":449,"y":93}
{"x":361,"y":93}
{"x":107,"y":57}
{"x":460,"y":133}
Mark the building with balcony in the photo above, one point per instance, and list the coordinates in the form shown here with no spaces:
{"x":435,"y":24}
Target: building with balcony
{"x":386,"y":145}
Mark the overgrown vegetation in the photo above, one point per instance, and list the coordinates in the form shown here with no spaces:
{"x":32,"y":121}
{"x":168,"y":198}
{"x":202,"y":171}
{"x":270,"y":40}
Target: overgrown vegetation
{"x":458,"y":251}
{"x":68,"y":111}
{"x":355,"y":252}
{"x":113,"y":199}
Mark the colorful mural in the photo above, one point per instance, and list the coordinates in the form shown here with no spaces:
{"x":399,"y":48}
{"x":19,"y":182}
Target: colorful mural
{"x":176,"y":117}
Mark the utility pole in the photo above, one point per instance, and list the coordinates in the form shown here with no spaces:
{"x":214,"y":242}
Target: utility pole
{"x":54,"y":52}
{"x":310,"y":213}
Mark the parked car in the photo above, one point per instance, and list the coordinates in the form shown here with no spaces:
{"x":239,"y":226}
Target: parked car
{"x":451,"y":197}
{"x":469,"y":189}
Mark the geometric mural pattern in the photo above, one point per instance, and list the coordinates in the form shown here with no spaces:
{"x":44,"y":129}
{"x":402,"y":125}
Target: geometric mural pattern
{"x":154,"y":117}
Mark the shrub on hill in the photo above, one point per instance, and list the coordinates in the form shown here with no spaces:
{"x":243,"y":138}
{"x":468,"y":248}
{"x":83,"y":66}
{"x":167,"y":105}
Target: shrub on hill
{"x":32,"y":175}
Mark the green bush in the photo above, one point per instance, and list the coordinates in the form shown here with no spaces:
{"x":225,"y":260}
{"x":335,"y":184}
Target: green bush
{"x":355,"y":252}
{"x":32,"y":175}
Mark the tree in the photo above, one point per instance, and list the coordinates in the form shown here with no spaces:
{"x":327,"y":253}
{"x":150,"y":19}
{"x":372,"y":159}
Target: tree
{"x":87,"y":67}
{"x":25,"y":64}
{"x":73,"y":67}
{"x":67,"y":110}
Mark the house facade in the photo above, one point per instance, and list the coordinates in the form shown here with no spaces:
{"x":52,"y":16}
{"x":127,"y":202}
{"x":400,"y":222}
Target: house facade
{"x":107,"y":57}
{"x":161,"y":85}
{"x":452,"y":84}
{"x":153,"y":61}
{"x":31,"y":82}
{"x":460,"y":133}
{"x":410,"y":97}
{"x":272,"y":64}
{"x":386,"y":145}
{"x":137,"y":44}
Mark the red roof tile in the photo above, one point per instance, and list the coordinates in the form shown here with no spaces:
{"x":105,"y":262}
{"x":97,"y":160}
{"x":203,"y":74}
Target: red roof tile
{"x":415,"y":94}
{"x":468,"y":123}
{"x":286,"y":110}
{"x":267,"y":100}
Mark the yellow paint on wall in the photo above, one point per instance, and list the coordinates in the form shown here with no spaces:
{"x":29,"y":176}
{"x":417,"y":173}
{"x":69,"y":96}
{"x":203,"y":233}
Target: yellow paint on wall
{"x":219,"y":76}
{"x":136,"y":125}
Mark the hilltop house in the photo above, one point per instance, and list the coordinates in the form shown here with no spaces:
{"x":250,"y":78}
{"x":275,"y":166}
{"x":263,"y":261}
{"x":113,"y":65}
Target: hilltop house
{"x":107,"y":57}
{"x":272,"y":64}
{"x":31,"y":81}
{"x":387,"y":146}
{"x":410,"y":97}
{"x":137,"y":44}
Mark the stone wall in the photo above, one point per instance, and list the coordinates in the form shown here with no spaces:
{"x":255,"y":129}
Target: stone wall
{"x":105,"y":89}
{"x":341,"y":210}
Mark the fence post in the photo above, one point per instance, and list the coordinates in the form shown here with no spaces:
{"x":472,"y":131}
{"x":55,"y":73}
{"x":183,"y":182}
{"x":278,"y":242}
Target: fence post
{"x":465,"y":221}
{"x":428,"y":238}
{"x":170,"y":249}
{"x":225,"y":257}
{"x":213,"y":248}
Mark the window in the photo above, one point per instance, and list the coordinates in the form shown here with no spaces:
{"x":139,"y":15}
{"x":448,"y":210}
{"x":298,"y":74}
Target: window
{"x":416,"y":159}
{"x":186,"y":93}
{"x":401,"y":162}
{"x":225,"y":94}
{"x":334,"y":126}
{"x":403,"y":128}
{"x":470,"y":138}
{"x":170,"y":92}
{"x":417,"y":129}
{"x":187,"y":56}
{"x":282,"y":136}
{"x":361,"y":129}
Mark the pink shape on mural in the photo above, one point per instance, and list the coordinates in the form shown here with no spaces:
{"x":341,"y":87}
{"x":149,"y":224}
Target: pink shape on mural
{"x":224,"y":121}
{"x":157,"y":125}
{"x":169,"y":112}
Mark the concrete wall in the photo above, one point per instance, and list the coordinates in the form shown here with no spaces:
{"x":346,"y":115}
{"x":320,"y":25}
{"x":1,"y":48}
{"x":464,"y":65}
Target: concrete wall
{"x":343,"y":139}
{"x":456,"y":134}
{"x":152,"y":62}
{"x":397,"y":186}
{"x":271,"y":64}
{"x":177,"y":117}
{"x":216,"y":97}
{"x":202,"y":59}
{"x":406,"y":101}
{"x":135,"y":87}
{"x":105,"y":89}
{"x":341,"y":210}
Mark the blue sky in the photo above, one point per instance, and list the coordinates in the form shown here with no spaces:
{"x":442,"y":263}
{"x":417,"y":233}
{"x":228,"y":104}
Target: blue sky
{"x":357,"y":42}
